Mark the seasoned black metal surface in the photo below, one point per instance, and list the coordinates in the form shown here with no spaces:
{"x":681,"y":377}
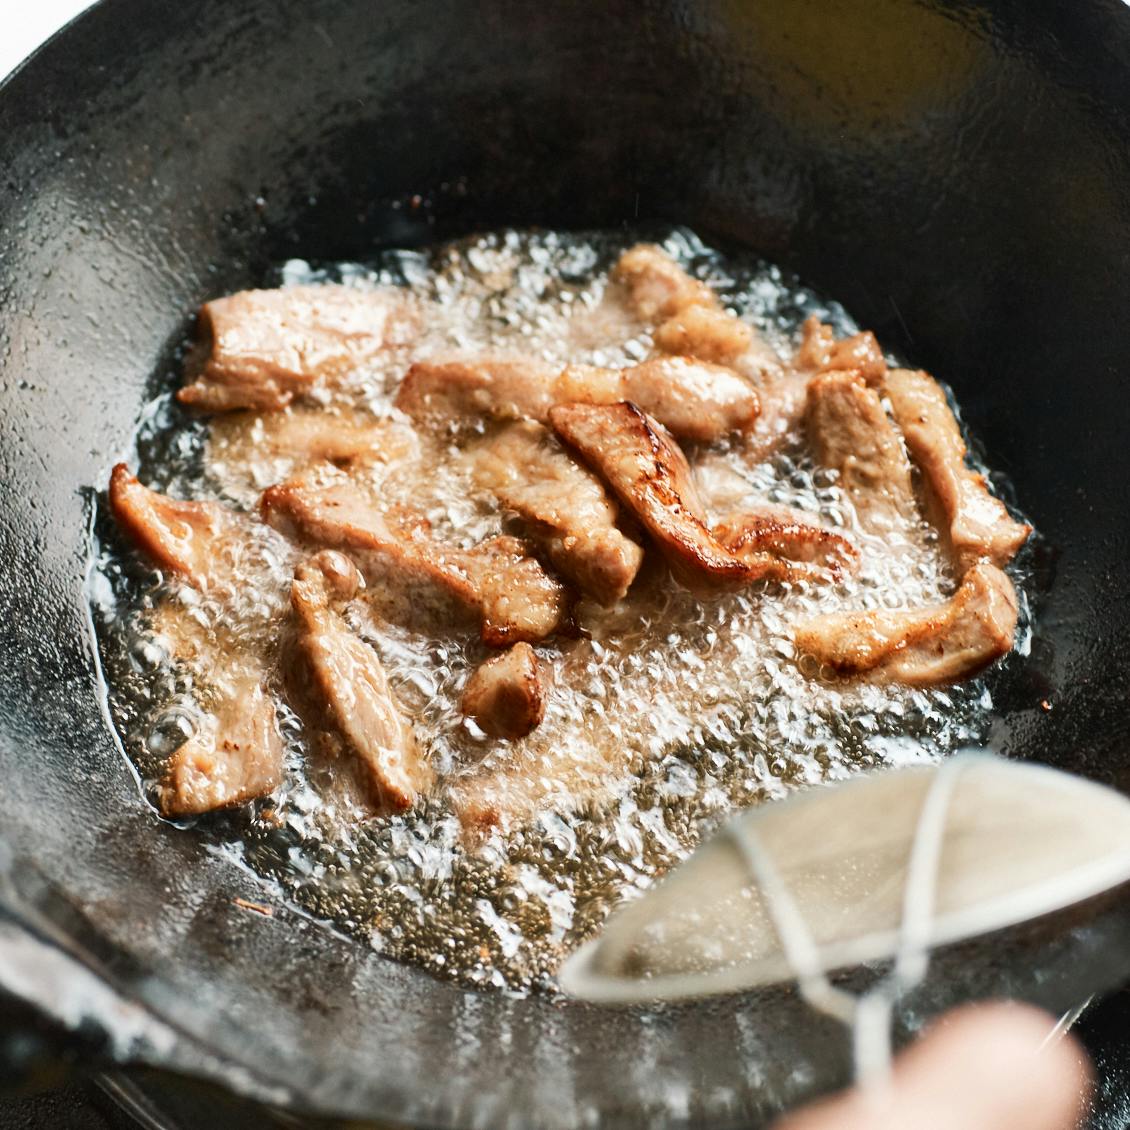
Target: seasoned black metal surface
{"x":958,"y":174}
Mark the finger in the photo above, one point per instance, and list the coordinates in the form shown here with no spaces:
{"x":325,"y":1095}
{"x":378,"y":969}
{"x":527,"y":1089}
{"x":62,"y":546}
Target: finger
{"x":979,"y":1068}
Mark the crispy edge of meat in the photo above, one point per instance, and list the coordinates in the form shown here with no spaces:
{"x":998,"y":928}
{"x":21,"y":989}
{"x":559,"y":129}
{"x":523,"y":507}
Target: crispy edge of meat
{"x":650,"y":475}
{"x":260,"y":349}
{"x":657,"y":286}
{"x":351,"y":685}
{"x":506,"y":695}
{"x":851,"y":433}
{"x":786,"y":543}
{"x":565,"y":504}
{"x":176,"y":536}
{"x":978,"y":523}
{"x":941,"y":644}
{"x":236,"y":756}
{"x":819,"y":351}
{"x":396,"y":549}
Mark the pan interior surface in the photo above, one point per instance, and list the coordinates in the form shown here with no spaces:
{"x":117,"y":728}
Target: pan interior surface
{"x":154,"y":158}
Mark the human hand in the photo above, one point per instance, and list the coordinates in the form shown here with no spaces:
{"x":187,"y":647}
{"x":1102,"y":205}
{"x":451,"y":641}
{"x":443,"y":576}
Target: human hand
{"x":982,"y":1067}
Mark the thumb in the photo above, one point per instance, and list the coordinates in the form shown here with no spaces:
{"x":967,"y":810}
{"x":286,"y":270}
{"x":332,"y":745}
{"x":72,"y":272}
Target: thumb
{"x":979,"y":1068}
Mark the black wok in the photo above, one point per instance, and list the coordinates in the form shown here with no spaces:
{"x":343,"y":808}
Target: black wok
{"x":958,"y":174}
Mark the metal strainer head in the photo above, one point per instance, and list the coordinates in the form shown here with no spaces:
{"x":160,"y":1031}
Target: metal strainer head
{"x":885,"y":866}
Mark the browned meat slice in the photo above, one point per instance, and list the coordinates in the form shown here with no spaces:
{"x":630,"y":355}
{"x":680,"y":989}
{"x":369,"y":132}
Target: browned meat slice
{"x":565,"y":504}
{"x":235,"y":755}
{"x":497,"y":582}
{"x":350,"y":684}
{"x":979,"y":525}
{"x":506,"y":695}
{"x":657,"y":286}
{"x":786,"y":543}
{"x":851,"y":433}
{"x":261,"y":348}
{"x":186,"y":539}
{"x":248,"y":441}
{"x":819,"y":352}
{"x":451,"y":389}
{"x":640,"y":461}
{"x":941,"y":644}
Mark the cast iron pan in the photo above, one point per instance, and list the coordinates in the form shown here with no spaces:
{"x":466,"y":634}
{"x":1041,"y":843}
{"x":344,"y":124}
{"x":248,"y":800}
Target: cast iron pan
{"x":958,"y":174}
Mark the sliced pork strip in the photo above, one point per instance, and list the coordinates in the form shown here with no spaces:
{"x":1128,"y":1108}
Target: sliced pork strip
{"x":236,"y":754}
{"x":928,"y":647}
{"x":566,"y":506}
{"x":454,"y":389}
{"x":786,"y":540}
{"x":351,"y":685}
{"x":497,"y":583}
{"x":819,"y":351}
{"x":710,"y":333}
{"x":706,"y":333}
{"x":691,"y":320}
{"x":520,"y":602}
{"x":262,"y":348}
{"x":506,"y":695}
{"x":693,"y":399}
{"x":657,"y":286}
{"x":187,"y":539}
{"x":851,"y":433}
{"x":256,"y":444}
{"x":649,"y":473}
{"x":978,"y":524}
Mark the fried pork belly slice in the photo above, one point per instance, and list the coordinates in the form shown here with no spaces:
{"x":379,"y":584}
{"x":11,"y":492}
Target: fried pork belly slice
{"x":693,"y":399}
{"x":191,"y":540}
{"x":349,"y":682}
{"x":978,"y":524}
{"x":649,"y":473}
{"x":262,"y":348}
{"x":928,"y":647}
{"x":851,"y":433}
{"x":819,"y":352}
{"x":497,"y":583}
{"x":298,"y":437}
{"x":506,"y":695}
{"x":565,"y":505}
{"x":786,"y":543}
{"x":236,"y":753}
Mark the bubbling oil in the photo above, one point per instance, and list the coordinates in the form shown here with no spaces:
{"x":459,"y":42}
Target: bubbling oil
{"x":669,"y":715}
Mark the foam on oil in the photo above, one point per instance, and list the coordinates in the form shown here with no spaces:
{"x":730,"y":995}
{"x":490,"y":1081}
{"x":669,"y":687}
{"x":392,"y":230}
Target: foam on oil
{"x":673,"y":712}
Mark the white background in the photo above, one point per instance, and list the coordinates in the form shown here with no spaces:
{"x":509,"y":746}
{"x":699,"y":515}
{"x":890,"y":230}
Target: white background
{"x":25,"y":24}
